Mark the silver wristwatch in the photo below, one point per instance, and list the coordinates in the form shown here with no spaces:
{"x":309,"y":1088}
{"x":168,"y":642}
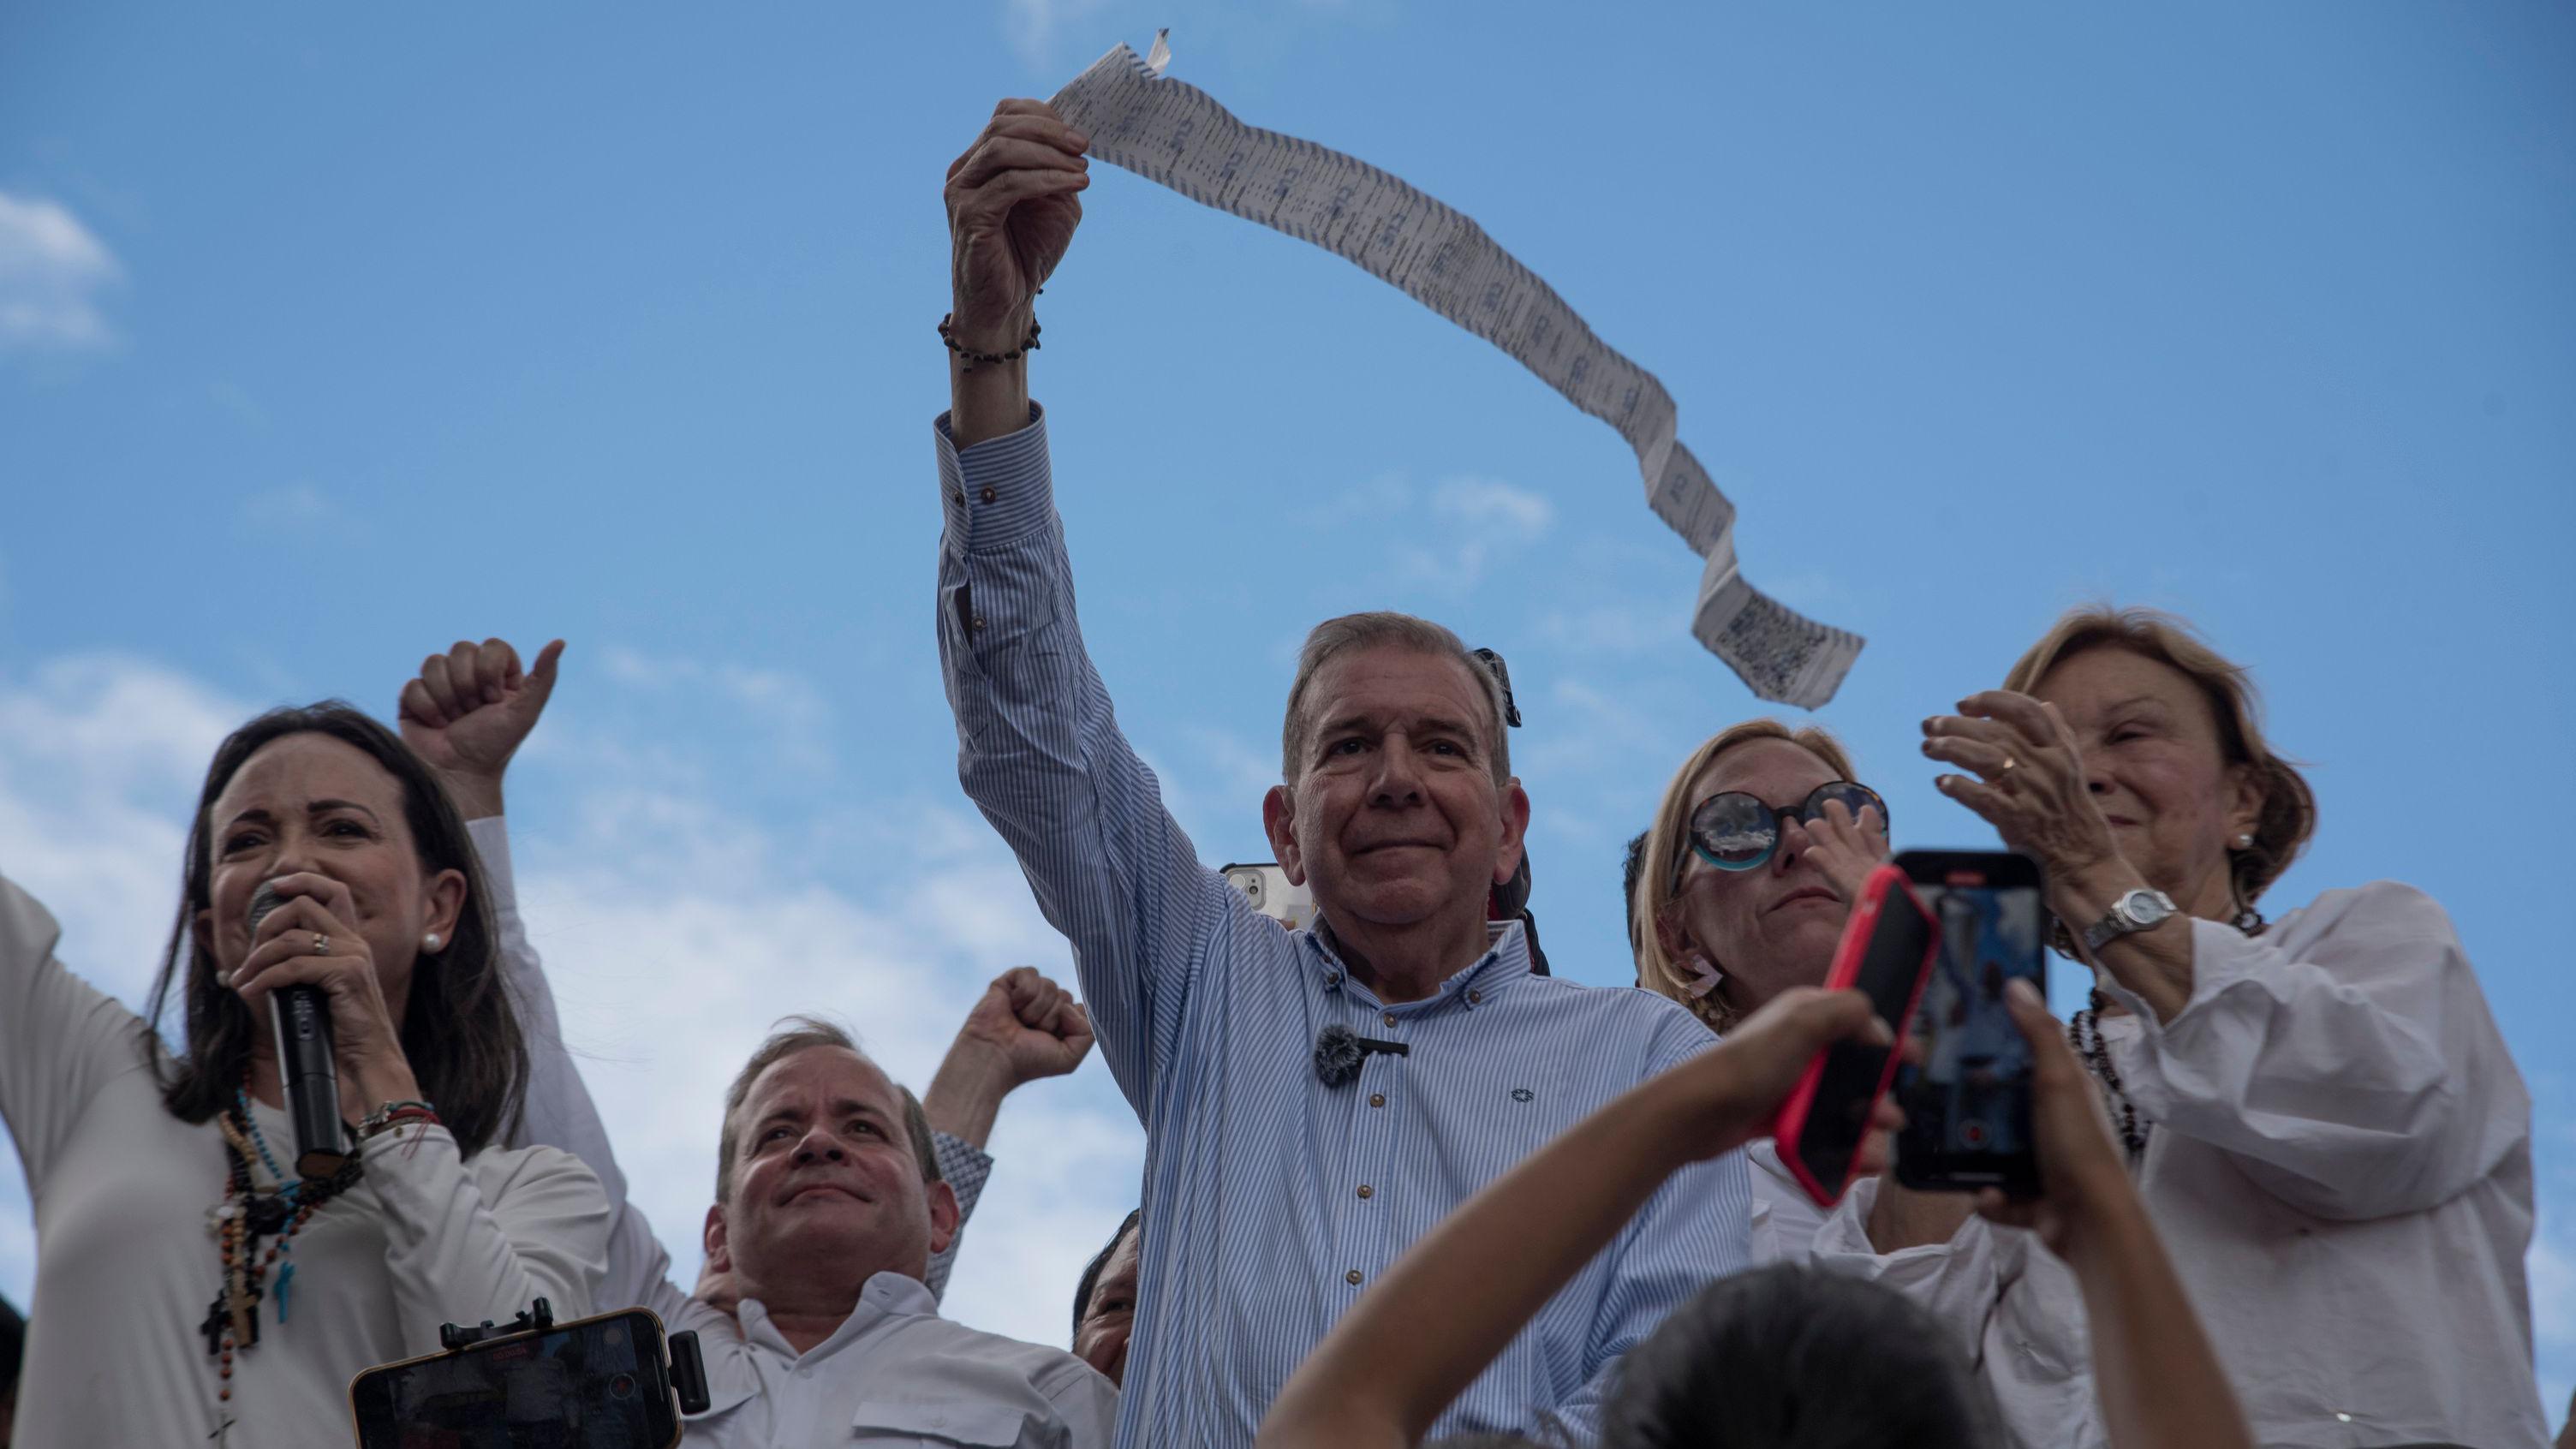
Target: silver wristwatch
{"x":2139,"y":910}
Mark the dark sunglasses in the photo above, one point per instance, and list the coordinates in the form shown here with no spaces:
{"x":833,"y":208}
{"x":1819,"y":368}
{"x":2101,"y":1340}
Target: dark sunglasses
{"x":1736,"y":831}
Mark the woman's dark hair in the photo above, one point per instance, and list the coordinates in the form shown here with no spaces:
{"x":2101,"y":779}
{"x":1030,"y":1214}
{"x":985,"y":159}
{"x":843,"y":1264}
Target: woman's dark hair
{"x":1099,"y":1264}
{"x":1793,"y":1357}
{"x":460,"y":1031}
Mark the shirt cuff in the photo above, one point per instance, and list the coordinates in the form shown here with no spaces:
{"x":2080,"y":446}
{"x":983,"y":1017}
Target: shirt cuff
{"x":2219,"y":959}
{"x":998,"y":492}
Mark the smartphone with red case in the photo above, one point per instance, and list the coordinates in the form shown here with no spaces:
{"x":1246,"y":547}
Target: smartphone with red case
{"x":1886,"y":953}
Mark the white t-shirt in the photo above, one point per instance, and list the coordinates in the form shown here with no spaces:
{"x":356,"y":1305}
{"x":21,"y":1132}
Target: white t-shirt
{"x":126,"y":1256}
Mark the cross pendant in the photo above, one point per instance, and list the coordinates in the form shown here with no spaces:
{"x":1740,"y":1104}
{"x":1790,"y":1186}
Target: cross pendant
{"x":219,"y":1321}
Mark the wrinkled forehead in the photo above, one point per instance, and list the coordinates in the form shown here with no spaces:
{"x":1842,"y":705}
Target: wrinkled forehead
{"x":291,"y":772}
{"x":1393,"y":685}
{"x":2108,"y":678}
{"x":1776,"y":771}
{"x":812,"y":1079}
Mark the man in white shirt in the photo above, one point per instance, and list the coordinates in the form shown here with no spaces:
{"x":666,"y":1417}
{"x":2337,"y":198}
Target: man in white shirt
{"x":828,"y":1207}
{"x":814,"y":1316}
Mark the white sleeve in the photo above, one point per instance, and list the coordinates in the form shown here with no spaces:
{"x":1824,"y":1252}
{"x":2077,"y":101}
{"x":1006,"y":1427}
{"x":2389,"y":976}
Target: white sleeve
{"x":60,"y":1037}
{"x":461,"y":1249}
{"x":2347,"y":1061}
{"x":559,"y":1110}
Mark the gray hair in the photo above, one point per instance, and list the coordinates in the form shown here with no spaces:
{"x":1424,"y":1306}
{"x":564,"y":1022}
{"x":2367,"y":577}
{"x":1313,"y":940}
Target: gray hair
{"x":1351,"y":633}
{"x":795,"y":1034}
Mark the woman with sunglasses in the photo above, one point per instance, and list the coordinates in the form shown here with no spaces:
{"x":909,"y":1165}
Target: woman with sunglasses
{"x":2320,"y":1112}
{"x":1745,"y":879}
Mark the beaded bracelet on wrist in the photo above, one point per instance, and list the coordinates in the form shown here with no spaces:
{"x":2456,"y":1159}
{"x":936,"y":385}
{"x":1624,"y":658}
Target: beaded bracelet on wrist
{"x":970,"y":357}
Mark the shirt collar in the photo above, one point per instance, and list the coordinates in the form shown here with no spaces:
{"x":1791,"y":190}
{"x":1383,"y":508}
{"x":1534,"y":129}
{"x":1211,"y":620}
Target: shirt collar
{"x":883,"y":1296}
{"x":1506,"y":959}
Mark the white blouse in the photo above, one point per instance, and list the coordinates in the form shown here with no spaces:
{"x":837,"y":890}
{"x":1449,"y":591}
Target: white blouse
{"x":2340,"y":1165}
{"x":2005,"y":1299}
{"x":126,"y":1263}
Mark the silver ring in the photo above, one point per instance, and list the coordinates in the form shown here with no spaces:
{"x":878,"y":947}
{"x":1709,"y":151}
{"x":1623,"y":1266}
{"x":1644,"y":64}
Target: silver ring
{"x":321,"y":944}
{"x":2009,"y":764}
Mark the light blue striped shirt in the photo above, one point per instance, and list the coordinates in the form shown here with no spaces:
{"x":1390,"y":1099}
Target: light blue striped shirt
{"x":1272,"y":1200}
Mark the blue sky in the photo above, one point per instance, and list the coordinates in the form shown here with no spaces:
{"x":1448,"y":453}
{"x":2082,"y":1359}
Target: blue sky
{"x":327,"y":337}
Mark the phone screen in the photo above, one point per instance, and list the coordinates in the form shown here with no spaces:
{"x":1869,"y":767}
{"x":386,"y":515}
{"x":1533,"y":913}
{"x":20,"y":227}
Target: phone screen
{"x":1838,"y":1117}
{"x":600,"y":1384}
{"x":1967,"y":1101}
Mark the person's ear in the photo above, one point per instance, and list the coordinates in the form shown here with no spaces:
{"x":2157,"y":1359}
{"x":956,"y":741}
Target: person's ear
{"x":943,"y":1215}
{"x":1279,"y":822}
{"x":1515,"y":834}
{"x":718,"y":1244}
{"x":2245,"y":800}
{"x":444,"y":902}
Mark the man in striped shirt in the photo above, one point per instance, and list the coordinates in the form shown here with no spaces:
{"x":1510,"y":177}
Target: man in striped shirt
{"x":1278,"y":1191}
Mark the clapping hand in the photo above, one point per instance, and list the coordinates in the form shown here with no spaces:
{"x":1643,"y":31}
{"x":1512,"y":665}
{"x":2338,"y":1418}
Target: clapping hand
{"x":470,"y":709}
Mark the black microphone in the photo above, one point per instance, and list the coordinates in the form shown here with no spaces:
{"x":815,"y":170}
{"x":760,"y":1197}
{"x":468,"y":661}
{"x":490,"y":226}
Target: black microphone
{"x":301,"y":1018}
{"x":1339,"y":1052}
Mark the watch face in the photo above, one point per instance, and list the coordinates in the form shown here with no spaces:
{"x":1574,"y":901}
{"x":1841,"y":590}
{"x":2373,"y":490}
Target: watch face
{"x":2144,"y":908}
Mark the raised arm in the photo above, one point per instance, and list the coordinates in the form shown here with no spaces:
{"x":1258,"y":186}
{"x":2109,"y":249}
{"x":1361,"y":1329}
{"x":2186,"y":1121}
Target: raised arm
{"x":1024,"y":1027}
{"x":60,"y":1037}
{"x":2347,"y":1060}
{"x":2158,"y":1377}
{"x":1416,"y":1339}
{"x":1039,"y":749}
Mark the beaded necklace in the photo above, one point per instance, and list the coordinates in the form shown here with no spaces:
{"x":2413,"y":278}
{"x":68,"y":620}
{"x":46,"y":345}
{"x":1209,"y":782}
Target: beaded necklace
{"x":2084,"y":1033}
{"x":246,"y":1215}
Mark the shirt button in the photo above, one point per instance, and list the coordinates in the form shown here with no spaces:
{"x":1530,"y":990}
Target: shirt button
{"x":1377,"y":1099}
{"x":1390,"y":1018}
{"x":977,"y":625}
{"x":1352,"y":1277}
{"x":1475,"y":998}
{"x":1332,"y":978}
{"x":2342,"y":1417}
{"x":1367,"y":1191}
{"x":987,"y":496}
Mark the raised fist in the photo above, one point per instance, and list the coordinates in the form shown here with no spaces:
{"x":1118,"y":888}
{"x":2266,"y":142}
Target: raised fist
{"x":1036,"y":1025}
{"x":1013,"y":200}
{"x":471,"y":707}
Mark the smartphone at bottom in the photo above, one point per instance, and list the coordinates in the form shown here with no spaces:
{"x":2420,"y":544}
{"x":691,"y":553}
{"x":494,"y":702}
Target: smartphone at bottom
{"x":596,"y":1381}
{"x":1967,"y":1099}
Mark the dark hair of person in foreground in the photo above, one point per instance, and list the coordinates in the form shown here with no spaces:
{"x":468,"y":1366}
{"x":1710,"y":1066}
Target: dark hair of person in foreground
{"x":1798,"y":1343}
{"x":460,"y":1032}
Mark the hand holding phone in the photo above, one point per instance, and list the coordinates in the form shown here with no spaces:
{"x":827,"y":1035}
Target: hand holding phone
{"x":1886,"y":954}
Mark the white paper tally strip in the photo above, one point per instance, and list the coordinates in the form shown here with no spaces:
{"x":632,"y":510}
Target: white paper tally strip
{"x":1178,"y":136}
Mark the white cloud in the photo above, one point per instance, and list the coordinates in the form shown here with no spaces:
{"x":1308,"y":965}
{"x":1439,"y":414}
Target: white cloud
{"x":301,"y":514}
{"x":1474,"y":524}
{"x":1033,"y":26}
{"x":674,"y":934}
{"x":788,"y":705}
{"x":51,"y":270}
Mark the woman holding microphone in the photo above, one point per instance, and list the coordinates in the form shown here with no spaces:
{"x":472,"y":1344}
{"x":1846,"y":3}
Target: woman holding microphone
{"x":191,"y":1286}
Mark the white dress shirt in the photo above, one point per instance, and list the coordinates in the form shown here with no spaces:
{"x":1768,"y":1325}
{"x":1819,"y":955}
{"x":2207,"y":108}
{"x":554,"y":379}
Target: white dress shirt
{"x":893,"y":1373}
{"x":2340,"y":1165}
